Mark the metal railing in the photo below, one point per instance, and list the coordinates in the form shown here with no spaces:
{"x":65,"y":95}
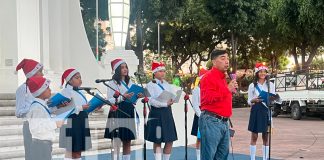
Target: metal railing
{"x":300,"y":80}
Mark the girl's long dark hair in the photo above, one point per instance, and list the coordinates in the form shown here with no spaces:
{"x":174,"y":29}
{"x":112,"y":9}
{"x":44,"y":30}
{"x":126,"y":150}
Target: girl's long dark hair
{"x":117,"y":76}
{"x":256,"y":79}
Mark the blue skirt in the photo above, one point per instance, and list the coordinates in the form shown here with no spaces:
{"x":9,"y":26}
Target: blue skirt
{"x":76,"y":138}
{"x":194,"y":129}
{"x":121,"y":125}
{"x":160,"y":126}
{"x":259,"y":119}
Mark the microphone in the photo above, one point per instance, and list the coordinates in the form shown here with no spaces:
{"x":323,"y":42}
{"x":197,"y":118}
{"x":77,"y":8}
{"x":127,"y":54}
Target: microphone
{"x":102,"y":80}
{"x":83,"y":88}
{"x":232,"y":76}
{"x":139,"y":74}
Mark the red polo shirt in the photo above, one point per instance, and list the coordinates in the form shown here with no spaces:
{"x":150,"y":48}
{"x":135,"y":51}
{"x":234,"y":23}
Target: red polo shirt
{"x":215,"y":95}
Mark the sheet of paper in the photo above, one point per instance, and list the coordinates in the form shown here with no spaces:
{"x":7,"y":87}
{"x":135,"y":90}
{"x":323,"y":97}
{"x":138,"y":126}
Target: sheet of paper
{"x":178,"y":96}
{"x":64,"y":116}
{"x":165,"y":96}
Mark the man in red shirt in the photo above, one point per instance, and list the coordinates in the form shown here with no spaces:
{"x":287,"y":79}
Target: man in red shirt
{"x":216,"y":106}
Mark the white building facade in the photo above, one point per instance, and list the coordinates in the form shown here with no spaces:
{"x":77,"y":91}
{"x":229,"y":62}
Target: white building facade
{"x":51,"y":32}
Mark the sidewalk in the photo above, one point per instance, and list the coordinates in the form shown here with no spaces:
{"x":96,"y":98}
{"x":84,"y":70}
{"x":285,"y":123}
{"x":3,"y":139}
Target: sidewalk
{"x":292,"y":139}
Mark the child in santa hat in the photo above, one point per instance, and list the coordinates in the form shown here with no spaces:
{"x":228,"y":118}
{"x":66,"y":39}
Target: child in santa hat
{"x":75,"y":135}
{"x":24,"y":99}
{"x":196,"y":107}
{"x":121,"y":123}
{"x":259,"y":116}
{"x":41,"y":126}
{"x":160,"y":126}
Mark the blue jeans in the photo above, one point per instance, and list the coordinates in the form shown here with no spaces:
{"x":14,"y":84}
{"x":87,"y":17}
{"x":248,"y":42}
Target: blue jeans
{"x":214,"y":138}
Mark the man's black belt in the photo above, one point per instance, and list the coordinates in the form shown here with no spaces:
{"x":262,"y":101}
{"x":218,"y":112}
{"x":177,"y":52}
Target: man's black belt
{"x":224,"y":119}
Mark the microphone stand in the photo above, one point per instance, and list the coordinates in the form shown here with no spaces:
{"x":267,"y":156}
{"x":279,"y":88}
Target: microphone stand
{"x":145,"y":102}
{"x":186,"y":98}
{"x":270,"y":115}
{"x":115,"y":114}
{"x":116,"y":96}
{"x":117,"y":93}
{"x":100,"y":98}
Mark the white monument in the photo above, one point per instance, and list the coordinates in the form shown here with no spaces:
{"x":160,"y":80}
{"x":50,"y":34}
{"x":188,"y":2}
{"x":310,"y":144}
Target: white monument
{"x":52,"y":32}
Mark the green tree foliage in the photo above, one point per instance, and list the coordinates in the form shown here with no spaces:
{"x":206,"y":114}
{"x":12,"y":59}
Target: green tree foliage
{"x":301,"y":24}
{"x":236,"y":19}
{"x":88,"y":10}
{"x":189,"y":35}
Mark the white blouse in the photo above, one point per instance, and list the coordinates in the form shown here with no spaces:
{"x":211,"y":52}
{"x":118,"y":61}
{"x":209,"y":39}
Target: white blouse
{"x":41,"y":125}
{"x":120,"y":88}
{"x":254,"y":93}
{"x":196,"y":100}
{"x":77,"y":96}
{"x":23,"y":100}
{"x":155,"y":90}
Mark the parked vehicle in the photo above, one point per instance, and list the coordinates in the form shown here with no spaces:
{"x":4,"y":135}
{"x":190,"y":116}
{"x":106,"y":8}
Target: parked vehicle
{"x":300,"y":93}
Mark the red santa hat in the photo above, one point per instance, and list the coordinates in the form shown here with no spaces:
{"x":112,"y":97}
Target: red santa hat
{"x":116,"y":63}
{"x":157,"y":67}
{"x":67,"y":75}
{"x":37,"y":85}
{"x":259,"y":67}
{"x":29,"y":66}
{"x":202,"y":71}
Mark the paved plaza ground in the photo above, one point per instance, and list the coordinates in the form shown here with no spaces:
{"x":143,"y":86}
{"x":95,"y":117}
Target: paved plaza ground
{"x":291,"y":140}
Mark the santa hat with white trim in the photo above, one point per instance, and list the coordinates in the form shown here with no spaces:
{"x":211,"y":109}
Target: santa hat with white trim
{"x":116,"y":63}
{"x":259,"y":67}
{"x":67,"y":75}
{"x":157,"y":67}
{"x":37,"y":85}
{"x":29,"y":66}
{"x":202,"y":72}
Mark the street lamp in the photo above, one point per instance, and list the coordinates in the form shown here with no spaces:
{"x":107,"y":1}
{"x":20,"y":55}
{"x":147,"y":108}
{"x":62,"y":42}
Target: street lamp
{"x":119,"y":19}
{"x":159,"y":23}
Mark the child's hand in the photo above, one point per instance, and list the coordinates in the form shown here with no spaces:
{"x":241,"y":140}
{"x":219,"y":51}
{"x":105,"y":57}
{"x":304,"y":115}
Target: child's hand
{"x":64,"y":104}
{"x":140,"y":95}
{"x":98,"y":108}
{"x":85,"y":107}
{"x":170,"y":102}
{"x":128,"y":95}
{"x":59,"y":124}
{"x":256,"y":100}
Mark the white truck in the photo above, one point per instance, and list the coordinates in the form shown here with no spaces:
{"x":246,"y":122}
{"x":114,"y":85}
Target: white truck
{"x":300,"y":93}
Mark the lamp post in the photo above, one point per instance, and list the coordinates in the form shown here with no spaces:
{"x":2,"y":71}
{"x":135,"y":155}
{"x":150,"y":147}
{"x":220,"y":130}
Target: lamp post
{"x":119,"y":19}
{"x":159,"y":46}
{"x":97,"y":32}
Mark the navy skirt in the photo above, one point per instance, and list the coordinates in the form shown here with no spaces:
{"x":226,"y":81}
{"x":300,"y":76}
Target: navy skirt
{"x":121,"y":125}
{"x":194,"y":129}
{"x":160,"y":126}
{"x":75,"y":135}
{"x":259,"y":119}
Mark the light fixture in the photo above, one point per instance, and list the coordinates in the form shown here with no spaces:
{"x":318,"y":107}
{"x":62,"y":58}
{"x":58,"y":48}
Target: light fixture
{"x":119,"y":20}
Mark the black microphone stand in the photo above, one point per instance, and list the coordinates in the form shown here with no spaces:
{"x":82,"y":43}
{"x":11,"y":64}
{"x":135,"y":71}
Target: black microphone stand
{"x":100,"y":98}
{"x":116,"y":96}
{"x":270,"y":115}
{"x":186,"y":98}
{"x":145,"y":102}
